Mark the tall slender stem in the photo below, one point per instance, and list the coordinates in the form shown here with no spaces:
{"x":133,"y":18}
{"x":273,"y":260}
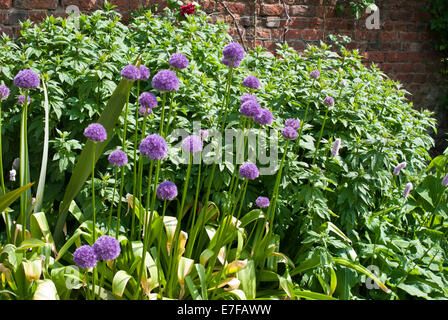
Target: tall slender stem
{"x":93,"y":213}
{"x":24,"y":167}
{"x":113,"y":200}
{"x":1,"y":153}
{"x":140,"y":176}
{"x":162,"y":117}
{"x":169,"y":114}
{"x":134,"y":185}
{"x":320,"y":136}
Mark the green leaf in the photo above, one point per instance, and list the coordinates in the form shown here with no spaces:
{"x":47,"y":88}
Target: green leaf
{"x":31,"y":243}
{"x":247,"y":278}
{"x":43,"y":167}
{"x":8,"y":198}
{"x":119,"y":282}
{"x":312,"y":295}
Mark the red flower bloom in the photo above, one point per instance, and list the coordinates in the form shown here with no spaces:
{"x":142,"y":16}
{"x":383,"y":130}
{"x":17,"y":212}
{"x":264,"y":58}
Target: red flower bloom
{"x":187,"y":9}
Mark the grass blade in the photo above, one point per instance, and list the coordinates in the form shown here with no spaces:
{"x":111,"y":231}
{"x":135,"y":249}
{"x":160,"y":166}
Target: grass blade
{"x":10,"y":197}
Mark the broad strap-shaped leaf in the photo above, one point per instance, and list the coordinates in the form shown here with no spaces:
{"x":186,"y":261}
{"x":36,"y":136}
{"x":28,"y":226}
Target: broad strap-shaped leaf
{"x":119,"y":282}
{"x":43,"y":166}
{"x":8,"y":198}
{"x":83,"y":167}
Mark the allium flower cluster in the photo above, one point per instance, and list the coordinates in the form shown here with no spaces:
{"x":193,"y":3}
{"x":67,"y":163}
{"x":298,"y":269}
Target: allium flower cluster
{"x":251,"y":82}
{"x":85,"y":257}
{"x":329,"y":101}
{"x":293,"y":123}
{"x":144,"y":111}
{"x":16,"y":163}
{"x":246,"y":97}
{"x":154,"y":147}
{"x":95,"y":132}
{"x":178,"y":61}
{"x":106,"y":248}
{"x":118,"y":158}
{"x":315,"y":74}
{"x":265,"y":117}
{"x":249,"y":171}
{"x":335,"y":148}
{"x":250,"y":109}
{"x":144,"y":73}
{"x":407,"y":189}
{"x":148,"y":100}
{"x":165,"y":80}
{"x":192,"y":143}
{"x":229,"y":63}
{"x":27,"y":79}
{"x":130,"y":72}
{"x":12,"y":174}
{"x":166,"y":191}
{"x":262,"y":202}
{"x":4,"y":92}
{"x":289,"y":133}
{"x":445,"y":181}
{"x":21,"y":99}
{"x":398,"y":168}
{"x":233,"y":52}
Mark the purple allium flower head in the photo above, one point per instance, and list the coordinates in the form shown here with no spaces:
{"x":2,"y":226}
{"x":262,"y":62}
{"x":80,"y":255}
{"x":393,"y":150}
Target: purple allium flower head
{"x":27,"y":79}
{"x":329,"y":101}
{"x":262,"y":202}
{"x":445,"y":181}
{"x":315,"y":74}
{"x":335,"y":148}
{"x":4,"y":92}
{"x":178,"y":61}
{"x":407,"y":189}
{"x":16,"y":163}
{"x":248,"y":96}
{"x":154,"y":147}
{"x":21,"y":99}
{"x":293,"y":123}
{"x":249,"y":170}
{"x":107,"y":248}
{"x":233,"y":51}
{"x":85,"y":257}
{"x":228,"y":62}
{"x":399,"y":167}
{"x":289,"y":133}
{"x":147,"y":100}
{"x":166,"y":191}
{"x":265,"y":117}
{"x":12,"y":175}
{"x":250,"y":109}
{"x":130,"y":72}
{"x":143,"y":73}
{"x":165,"y":80}
{"x":251,"y":82}
{"x":118,"y":158}
{"x":192,"y":143}
{"x":95,"y":132}
{"x":144,"y":111}
{"x":204,"y":134}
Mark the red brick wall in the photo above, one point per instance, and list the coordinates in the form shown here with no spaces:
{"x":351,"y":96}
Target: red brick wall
{"x":402,"y":47}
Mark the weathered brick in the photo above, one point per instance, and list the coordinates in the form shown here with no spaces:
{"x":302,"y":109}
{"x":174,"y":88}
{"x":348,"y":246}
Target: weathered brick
{"x":396,"y":56}
{"x":271,"y":9}
{"x":84,"y":5}
{"x":35,"y":4}
{"x":303,"y":11}
{"x":5,"y":4}
{"x":272,"y":22}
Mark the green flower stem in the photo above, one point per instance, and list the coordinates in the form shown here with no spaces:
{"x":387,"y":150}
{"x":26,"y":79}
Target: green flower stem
{"x":169,"y":114}
{"x":113,"y":200}
{"x":160,"y":245}
{"x":24,"y":168}
{"x":320,"y":136}
{"x":162,"y":117}
{"x":8,"y":230}
{"x":201,"y":219}
{"x":306,"y":113}
{"x":140,"y":177}
{"x":272,"y":206}
{"x":145,"y":227}
{"x":193,"y":213}
{"x":1,"y":153}
{"x":134,"y":177}
{"x":93,"y":214}
{"x":123,"y":167}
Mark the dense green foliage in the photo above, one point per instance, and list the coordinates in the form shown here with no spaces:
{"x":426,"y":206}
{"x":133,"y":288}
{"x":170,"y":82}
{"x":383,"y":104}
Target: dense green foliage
{"x":335,"y":215}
